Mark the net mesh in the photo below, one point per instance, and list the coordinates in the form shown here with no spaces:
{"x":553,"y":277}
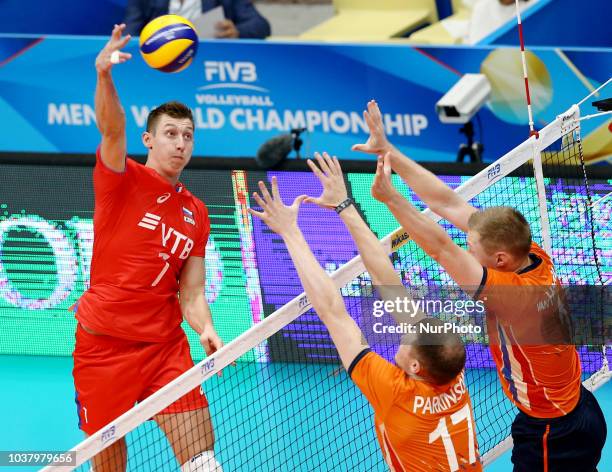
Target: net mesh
{"x":287,"y":404}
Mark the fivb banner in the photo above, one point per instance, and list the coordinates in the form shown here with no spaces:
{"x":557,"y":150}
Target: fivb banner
{"x":243,"y":93}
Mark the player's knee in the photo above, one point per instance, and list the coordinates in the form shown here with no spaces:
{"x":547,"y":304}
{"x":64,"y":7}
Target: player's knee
{"x":202,"y":462}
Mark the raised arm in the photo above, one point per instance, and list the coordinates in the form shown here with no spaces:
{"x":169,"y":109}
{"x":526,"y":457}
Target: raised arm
{"x":374,"y":256}
{"x":429,"y":188}
{"x":110,"y":116}
{"x":319,"y":287}
{"x":431,"y":237}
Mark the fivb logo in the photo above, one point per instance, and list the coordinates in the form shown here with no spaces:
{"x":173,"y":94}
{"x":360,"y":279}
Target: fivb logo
{"x":108,"y":434}
{"x":223,"y":71}
{"x":494,"y":172}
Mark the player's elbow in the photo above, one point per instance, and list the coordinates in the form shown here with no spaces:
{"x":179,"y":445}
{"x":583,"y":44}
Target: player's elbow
{"x":440,"y":250}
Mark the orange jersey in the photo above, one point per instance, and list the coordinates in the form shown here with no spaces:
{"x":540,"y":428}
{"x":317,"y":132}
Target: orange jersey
{"x":420,"y":426}
{"x":145,"y":229}
{"x":538,"y":367}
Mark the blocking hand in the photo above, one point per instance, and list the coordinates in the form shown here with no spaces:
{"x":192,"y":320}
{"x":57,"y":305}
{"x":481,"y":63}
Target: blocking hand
{"x":279,"y":217}
{"x":377,"y":143}
{"x":382,"y":187}
{"x":330,"y":175}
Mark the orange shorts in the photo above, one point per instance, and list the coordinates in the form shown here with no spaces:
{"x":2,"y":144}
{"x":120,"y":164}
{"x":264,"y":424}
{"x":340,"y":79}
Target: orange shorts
{"x":112,"y":374}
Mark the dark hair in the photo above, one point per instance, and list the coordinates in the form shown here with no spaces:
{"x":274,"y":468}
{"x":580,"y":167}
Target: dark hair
{"x":502,"y":228}
{"x":172,"y":109}
{"x":441,"y":354}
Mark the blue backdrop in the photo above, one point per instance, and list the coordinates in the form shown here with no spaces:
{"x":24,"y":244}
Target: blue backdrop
{"x":244,"y":93}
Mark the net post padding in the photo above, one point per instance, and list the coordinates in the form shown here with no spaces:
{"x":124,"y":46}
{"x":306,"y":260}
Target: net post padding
{"x":300,"y":304}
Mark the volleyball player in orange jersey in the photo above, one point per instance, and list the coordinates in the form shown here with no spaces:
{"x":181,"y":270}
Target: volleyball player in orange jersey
{"x":422,"y":409}
{"x":150,"y":238}
{"x":560,"y":426}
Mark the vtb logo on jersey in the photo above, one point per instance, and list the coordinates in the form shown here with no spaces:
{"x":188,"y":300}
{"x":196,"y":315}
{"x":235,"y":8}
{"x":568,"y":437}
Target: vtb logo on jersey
{"x":175,"y":240}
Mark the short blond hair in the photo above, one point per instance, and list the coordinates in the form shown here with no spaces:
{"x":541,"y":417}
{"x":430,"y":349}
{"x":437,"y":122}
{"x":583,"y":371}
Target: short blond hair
{"x":502,"y":228}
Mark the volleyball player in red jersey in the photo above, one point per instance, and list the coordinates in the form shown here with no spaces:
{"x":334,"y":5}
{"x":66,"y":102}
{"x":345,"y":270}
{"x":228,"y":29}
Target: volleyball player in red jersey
{"x":150,"y":237}
{"x":422,"y":409}
{"x":560,"y":426}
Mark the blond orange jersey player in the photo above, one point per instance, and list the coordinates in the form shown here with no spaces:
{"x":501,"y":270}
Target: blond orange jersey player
{"x":422,"y":408}
{"x":150,"y":238}
{"x":560,"y":426}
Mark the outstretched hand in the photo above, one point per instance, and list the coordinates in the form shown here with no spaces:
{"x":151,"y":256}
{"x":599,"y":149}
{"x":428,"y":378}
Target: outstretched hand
{"x":382,"y":187}
{"x":377,"y":143}
{"x":330,"y":175}
{"x":111,"y":54}
{"x":279,"y":217}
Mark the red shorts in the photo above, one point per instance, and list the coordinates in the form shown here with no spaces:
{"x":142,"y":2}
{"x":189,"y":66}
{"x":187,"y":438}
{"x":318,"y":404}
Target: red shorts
{"x":112,"y":374}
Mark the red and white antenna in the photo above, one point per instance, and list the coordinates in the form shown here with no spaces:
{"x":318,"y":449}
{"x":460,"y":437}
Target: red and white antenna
{"x":532,"y":131}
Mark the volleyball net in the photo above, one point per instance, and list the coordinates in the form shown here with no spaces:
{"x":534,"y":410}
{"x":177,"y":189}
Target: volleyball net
{"x":288,"y":405}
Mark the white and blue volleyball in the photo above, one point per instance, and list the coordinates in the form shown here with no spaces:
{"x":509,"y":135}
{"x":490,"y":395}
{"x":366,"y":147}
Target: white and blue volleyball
{"x":169,"y":43}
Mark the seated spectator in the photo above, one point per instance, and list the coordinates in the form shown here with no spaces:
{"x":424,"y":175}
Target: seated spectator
{"x":487,"y":16}
{"x":242,"y":20}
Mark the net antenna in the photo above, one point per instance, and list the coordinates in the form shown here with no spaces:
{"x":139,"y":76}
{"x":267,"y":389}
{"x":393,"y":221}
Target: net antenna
{"x":534,"y":135}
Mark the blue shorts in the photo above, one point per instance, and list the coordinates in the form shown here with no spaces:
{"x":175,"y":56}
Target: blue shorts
{"x":569,"y":443}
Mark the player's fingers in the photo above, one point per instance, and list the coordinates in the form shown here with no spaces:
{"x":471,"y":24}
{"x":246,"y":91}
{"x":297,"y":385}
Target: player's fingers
{"x":379,"y":166}
{"x":124,"y":56}
{"x":331,"y":168}
{"x":322,"y":164}
{"x":123,"y":41}
{"x":369,"y":120}
{"x":298,"y":200}
{"x":260,"y":202}
{"x":376,"y":111}
{"x":118,"y":57}
{"x":116,"y":33}
{"x":371,"y":107}
{"x":314,"y":168}
{"x":264,"y":192}
{"x":387,"y":164}
{"x":258,"y":214}
{"x":337,"y":165}
{"x":275,"y":192}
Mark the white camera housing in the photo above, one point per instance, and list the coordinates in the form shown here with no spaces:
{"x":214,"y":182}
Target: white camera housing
{"x":464,"y":99}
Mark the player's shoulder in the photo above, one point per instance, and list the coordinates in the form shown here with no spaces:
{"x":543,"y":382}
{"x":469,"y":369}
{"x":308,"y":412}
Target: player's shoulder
{"x":199,"y":204}
{"x":539,"y":252}
{"x":134,"y":165}
{"x":377,"y":368}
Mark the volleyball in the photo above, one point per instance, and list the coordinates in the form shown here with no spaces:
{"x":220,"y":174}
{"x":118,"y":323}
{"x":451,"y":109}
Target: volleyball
{"x":168,"y":43}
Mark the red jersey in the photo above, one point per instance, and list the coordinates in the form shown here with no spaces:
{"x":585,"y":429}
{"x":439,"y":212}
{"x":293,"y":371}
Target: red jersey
{"x":420,"y":426}
{"x":537,"y":363}
{"x":145,"y":228}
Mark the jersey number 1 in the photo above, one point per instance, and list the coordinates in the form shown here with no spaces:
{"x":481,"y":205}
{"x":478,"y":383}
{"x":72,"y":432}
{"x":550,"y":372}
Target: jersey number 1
{"x":441,"y":431}
{"x":165,"y":257}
